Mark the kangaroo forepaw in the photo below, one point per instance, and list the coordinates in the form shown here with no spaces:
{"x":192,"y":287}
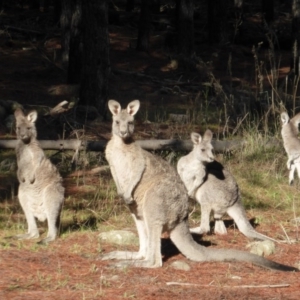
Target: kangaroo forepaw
{"x":128,"y":201}
{"x":32,"y":180}
{"x":191,"y":194}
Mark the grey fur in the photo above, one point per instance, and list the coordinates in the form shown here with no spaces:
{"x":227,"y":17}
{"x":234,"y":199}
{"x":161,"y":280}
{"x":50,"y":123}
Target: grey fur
{"x":214,"y":188}
{"x":41,"y":193}
{"x":158,"y":201}
{"x":291,"y":143}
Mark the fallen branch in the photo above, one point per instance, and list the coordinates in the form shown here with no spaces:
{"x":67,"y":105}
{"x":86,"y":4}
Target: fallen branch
{"x":151,"y":145}
{"x":228,"y":286}
{"x":94,"y":171}
{"x":26,"y":30}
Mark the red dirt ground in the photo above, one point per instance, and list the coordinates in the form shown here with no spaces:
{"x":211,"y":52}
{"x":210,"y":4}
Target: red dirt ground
{"x":68,"y":268}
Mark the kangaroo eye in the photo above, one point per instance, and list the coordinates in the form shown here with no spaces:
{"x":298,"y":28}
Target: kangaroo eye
{"x":203,"y":150}
{"x":130,"y":123}
{"x":28,"y":128}
{"x":117,"y":122}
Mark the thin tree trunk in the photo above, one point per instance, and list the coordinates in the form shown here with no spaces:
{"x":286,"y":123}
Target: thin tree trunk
{"x":65,"y":25}
{"x":217,"y":21}
{"x":130,"y":5}
{"x":75,"y":51}
{"x":296,"y":36}
{"x":267,"y":7}
{"x":96,"y":65}
{"x":185,"y":23}
{"x":144,"y":26}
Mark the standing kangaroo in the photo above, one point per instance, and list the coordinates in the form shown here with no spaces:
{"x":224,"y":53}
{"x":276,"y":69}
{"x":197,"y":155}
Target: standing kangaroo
{"x":41,"y":193}
{"x":214,"y":188}
{"x":158,"y":200}
{"x":291,"y":143}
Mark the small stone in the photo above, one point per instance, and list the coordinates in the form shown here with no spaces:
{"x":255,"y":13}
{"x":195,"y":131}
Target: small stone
{"x":180,"y":265}
{"x":262,"y":248}
{"x":119,"y":237}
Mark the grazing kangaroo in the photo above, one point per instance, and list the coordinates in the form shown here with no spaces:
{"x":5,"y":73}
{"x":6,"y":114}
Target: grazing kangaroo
{"x":158,"y":201}
{"x":291,"y":143}
{"x":214,"y":188}
{"x":41,"y":193}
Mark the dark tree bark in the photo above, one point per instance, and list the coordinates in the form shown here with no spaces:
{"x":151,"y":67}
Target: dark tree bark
{"x":57,"y":10}
{"x":96,"y":65}
{"x":75,"y":50}
{"x":217,"y":21}
{"x":65,"y":25}
{"x":144,"y":26}
{"x":185,"y":23}
{"x":296,"y":36}
{"x":238,"y":3}
{"x":71,"y":31}
{"x":267,"y":8}
{"x":129,"y":5}
{"x":148,"y":7}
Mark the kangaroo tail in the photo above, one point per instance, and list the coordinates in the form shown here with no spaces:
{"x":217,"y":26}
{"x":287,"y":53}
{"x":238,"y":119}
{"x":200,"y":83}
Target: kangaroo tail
{"x":184,"y":241}
{"x":238,"y":214}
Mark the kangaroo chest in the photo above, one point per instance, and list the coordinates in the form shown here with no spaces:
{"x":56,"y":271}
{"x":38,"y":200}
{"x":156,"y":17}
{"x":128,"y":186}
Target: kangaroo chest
{"x":123,"y":159}
{"x":25,"y":157}
{"x":192,"y":173}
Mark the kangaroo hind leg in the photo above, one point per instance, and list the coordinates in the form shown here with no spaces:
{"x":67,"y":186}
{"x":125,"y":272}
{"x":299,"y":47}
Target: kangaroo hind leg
{"x":152,"y":257}
{"x":32,"y":232}
{"x":132,"y":255}
{"x":291,"y":173}
{"x":205,"y":218}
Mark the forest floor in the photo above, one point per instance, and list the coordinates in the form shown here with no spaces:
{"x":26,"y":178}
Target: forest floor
{"x":68,"y":268}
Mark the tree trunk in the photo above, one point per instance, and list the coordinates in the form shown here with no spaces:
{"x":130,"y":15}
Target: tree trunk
{"x":96,"y":65}
{"x":75,"y":50}
{"x":144,"y":26}
{"x":238,"y":3}
{"x":57,"y":10}
{"x":296,"y":36}
{"x":130,"y":5}
{"x":185,"y":23}
{"x":65,"y":25}
{"x":217,"y":21}
{"x":267,"y":7}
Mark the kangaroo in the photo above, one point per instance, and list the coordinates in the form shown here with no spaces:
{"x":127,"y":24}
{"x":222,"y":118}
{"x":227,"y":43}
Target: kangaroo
{"x":41,"y":193}
{"x":214,"y":188}
{"x":291,"y":143}
{"x":158,"y":201}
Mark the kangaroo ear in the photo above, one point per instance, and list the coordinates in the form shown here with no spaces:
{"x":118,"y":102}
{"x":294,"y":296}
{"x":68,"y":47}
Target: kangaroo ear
{"x":32,"y":116}
{"x":133,"y":107}
{"x":18,"y":113}
{"x":196,"y":138}
{"x":208,"y":135}
{"x":284,"y":118}
{"x":114,"y":107}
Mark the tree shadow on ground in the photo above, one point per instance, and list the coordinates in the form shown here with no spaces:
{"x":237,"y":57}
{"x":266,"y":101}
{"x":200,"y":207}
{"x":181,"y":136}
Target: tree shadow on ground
{"x":75,"y":225}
